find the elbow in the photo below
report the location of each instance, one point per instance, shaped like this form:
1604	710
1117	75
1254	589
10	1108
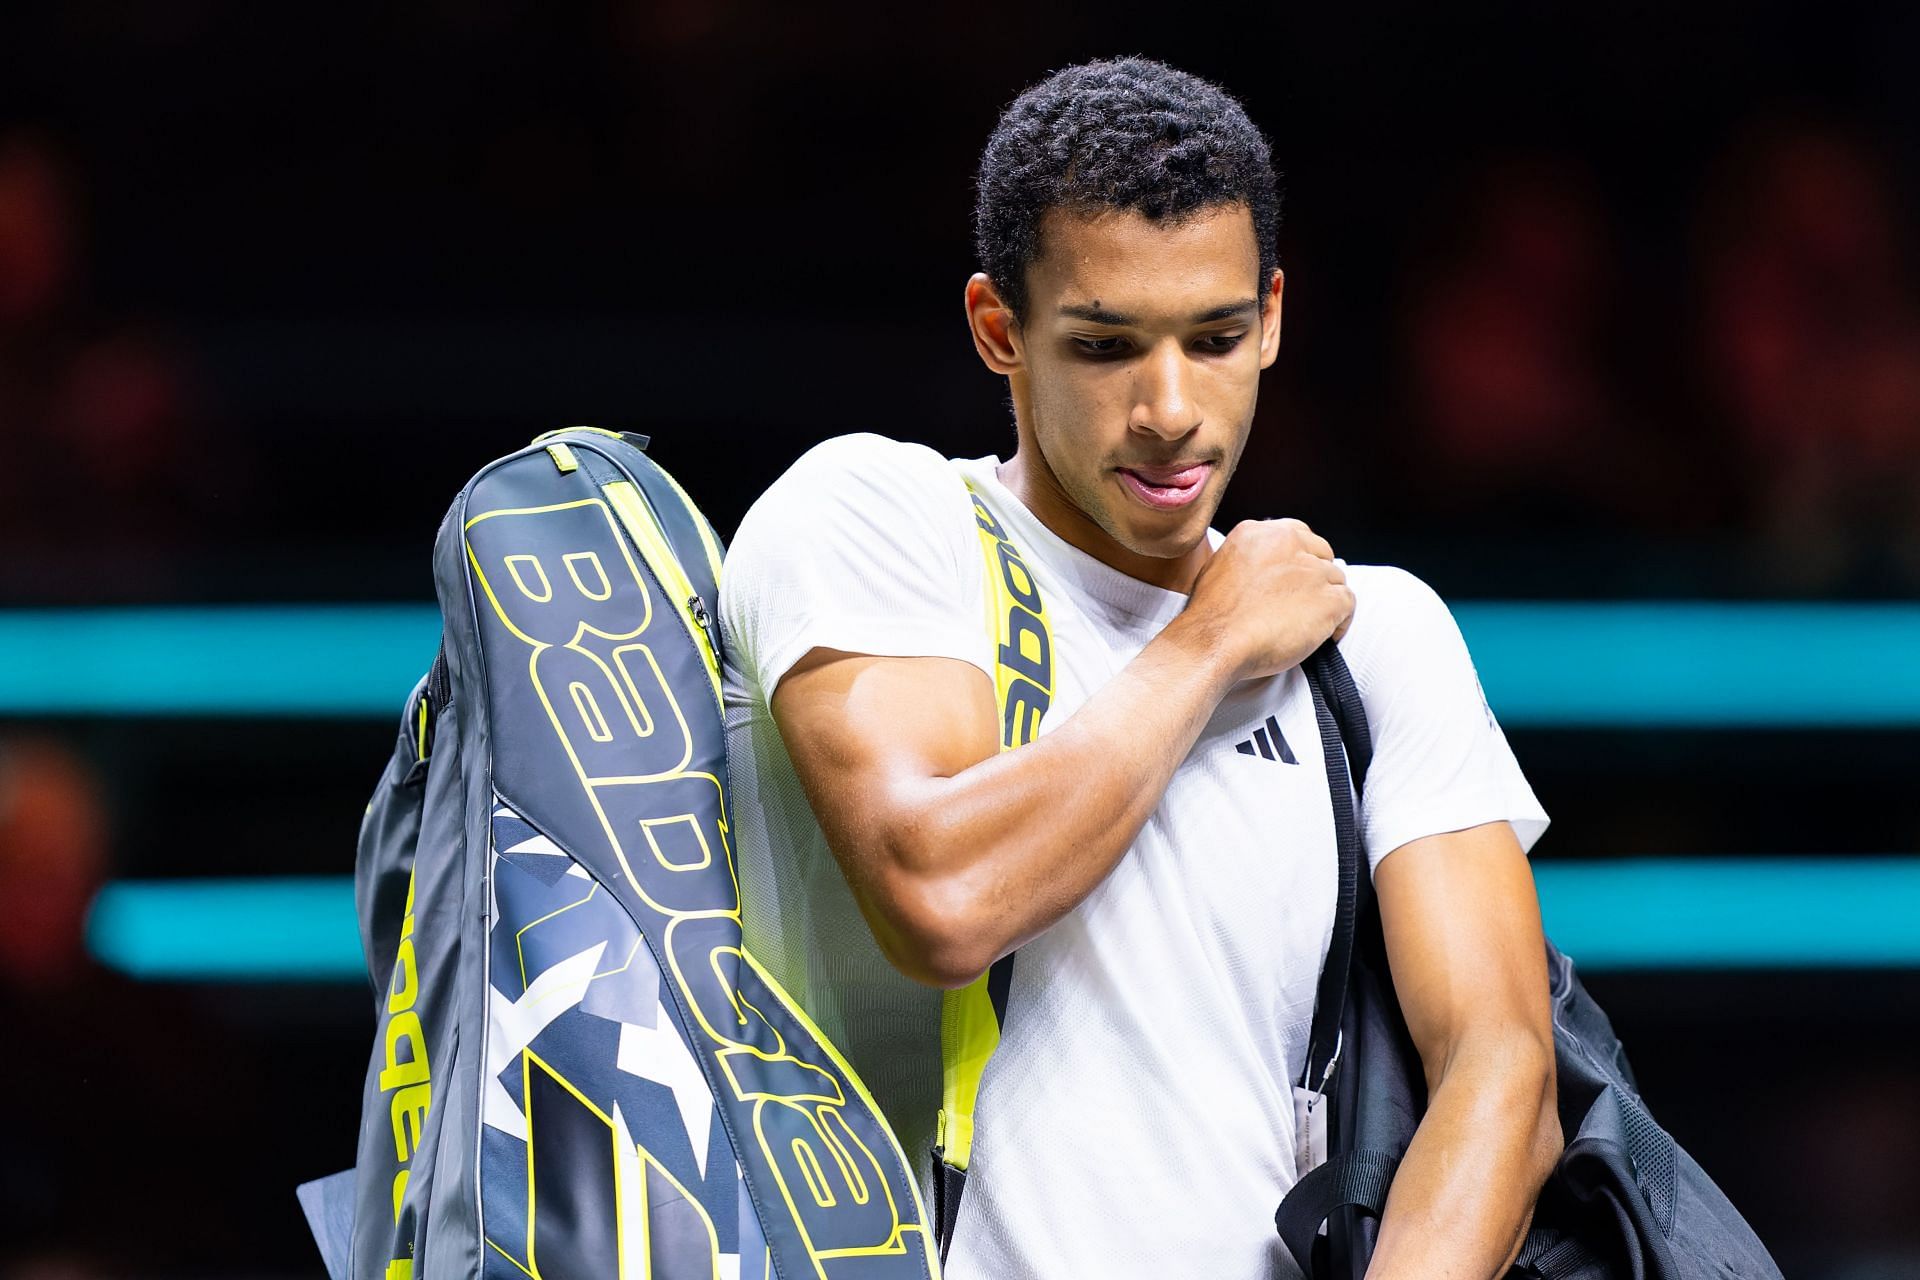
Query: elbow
1548	1140
935	936
1508	1080
932	924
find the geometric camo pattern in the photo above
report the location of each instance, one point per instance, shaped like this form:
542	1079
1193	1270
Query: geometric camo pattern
603	1151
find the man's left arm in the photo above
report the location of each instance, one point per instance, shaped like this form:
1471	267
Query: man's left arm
1462	926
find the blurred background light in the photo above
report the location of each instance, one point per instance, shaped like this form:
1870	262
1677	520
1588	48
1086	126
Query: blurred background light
1639	913
292	928
257	660
1542	663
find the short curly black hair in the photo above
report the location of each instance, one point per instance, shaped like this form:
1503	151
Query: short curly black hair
1125	133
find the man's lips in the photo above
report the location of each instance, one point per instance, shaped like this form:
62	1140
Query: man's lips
1167	487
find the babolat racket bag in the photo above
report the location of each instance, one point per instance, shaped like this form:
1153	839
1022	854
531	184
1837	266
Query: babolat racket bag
579	1071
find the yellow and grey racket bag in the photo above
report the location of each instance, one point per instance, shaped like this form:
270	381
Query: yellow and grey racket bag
578	1070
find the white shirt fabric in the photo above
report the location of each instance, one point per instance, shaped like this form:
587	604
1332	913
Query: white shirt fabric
1137	1119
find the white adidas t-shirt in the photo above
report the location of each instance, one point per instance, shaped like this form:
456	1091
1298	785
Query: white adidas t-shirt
1137	1119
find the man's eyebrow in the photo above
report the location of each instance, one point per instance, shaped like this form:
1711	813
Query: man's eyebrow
1232	310
1094	313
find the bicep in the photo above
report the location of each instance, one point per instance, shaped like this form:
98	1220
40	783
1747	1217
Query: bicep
1462	926
870	737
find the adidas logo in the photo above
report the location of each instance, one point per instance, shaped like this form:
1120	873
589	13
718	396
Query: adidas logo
1267	741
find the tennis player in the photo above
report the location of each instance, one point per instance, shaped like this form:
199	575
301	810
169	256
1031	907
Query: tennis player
1162	857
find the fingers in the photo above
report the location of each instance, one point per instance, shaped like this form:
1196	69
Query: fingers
1346	620
1310	540
1278	592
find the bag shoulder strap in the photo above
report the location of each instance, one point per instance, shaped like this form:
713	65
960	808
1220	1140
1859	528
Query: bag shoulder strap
971	1016
1355	1177
1347	745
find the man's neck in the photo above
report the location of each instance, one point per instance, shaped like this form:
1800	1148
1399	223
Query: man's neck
1040	492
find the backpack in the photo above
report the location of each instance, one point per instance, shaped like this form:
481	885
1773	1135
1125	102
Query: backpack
579	1070
1623	1201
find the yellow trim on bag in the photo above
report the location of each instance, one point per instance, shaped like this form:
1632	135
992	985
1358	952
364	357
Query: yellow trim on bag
707	538
637	517
1023	690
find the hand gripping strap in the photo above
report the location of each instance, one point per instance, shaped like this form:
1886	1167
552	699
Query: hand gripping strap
970	1017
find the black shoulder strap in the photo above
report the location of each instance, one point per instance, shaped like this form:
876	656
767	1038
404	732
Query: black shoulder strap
1356	1178
1348	748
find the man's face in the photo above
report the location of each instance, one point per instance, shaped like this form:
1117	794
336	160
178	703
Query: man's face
1139	364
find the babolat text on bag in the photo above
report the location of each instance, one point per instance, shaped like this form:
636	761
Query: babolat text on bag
578	1068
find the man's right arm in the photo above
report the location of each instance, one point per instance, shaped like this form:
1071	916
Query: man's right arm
957	852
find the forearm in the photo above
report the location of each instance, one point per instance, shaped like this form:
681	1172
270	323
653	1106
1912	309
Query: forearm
957	853
1463	1196
995	853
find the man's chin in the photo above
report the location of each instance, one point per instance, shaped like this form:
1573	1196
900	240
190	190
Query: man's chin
1166	540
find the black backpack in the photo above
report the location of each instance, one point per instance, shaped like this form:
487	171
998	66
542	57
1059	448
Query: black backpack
1623	1201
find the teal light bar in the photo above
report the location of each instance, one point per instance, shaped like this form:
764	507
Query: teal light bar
1648	914
1632	665
1734	913
283	928
278	660
1612	665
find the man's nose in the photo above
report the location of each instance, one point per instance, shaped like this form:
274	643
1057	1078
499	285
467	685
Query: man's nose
1163	400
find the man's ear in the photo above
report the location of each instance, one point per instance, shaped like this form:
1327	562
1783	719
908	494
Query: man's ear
996	333
1270	319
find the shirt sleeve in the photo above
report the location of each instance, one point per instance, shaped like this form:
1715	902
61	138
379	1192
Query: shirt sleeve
865	545
1440	761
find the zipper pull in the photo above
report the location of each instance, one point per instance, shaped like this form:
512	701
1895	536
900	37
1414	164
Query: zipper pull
697	608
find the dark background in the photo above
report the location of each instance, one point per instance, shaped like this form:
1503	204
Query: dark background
1583	302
